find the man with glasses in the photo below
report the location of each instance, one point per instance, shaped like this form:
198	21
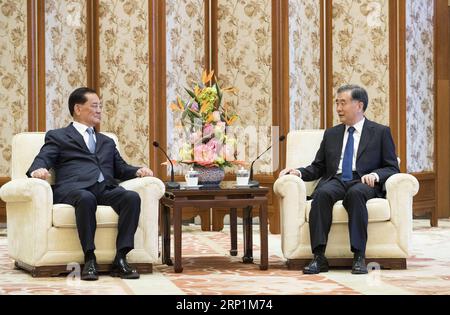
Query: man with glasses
86	165
354	161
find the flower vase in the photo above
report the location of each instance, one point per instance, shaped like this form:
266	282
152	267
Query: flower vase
210	176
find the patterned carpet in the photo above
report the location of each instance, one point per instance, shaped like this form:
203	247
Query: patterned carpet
208	269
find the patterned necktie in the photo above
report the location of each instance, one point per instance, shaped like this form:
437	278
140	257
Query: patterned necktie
91	141
347	162
91	147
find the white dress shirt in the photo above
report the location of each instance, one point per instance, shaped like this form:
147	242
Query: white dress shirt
82	129
357	137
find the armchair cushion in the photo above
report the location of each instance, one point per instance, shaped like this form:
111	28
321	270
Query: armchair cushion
378	209
64	216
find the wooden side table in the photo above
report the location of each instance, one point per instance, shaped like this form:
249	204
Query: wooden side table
224	196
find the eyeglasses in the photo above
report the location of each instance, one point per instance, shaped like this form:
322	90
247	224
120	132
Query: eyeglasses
93	106
97	106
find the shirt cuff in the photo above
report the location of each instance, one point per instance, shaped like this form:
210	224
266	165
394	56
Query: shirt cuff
377	177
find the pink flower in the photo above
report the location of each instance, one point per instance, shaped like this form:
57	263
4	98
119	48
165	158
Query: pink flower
208	130
204	154
213	145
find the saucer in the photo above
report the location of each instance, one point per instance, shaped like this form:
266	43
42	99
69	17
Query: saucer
190	187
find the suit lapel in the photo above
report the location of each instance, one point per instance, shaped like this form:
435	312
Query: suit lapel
339	142
100	139
76	136
365	137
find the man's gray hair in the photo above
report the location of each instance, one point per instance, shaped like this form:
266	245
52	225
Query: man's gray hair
358	93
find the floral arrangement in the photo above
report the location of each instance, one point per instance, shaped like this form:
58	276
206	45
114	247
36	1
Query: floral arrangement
205	121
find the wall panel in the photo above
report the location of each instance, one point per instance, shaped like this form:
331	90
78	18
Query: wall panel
185	25
65	57
361	52
13	77
124	73
420	85
245	61
305	64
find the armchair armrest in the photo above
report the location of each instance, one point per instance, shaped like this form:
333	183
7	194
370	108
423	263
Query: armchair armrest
291	191
139	184
400	190
25	190
150	189
29	204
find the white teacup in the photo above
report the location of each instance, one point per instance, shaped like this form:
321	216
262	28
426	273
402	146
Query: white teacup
191	178
242	177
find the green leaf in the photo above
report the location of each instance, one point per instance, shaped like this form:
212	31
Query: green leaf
191	94
185	113
219	92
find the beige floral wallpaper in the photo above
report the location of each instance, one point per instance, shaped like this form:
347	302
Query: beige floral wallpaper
65	56
13	78
185	61
245	61
124	75
361	51
420	85
304	67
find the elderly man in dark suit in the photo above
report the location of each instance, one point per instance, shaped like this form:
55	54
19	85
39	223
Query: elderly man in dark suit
354	161
86	166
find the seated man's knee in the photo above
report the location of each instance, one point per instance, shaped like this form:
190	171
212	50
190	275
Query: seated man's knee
352	195
321	194
86	198
133	197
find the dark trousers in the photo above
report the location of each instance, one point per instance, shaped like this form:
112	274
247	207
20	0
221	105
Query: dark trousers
127	204
354	195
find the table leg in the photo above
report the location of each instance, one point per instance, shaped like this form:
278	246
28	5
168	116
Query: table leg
233	231
248	236
264	265
177	238
165	237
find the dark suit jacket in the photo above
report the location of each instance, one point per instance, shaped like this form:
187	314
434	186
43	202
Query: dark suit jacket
75	166
376	154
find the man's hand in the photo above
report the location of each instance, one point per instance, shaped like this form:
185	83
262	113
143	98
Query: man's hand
41	173
144	172
369	180
290	171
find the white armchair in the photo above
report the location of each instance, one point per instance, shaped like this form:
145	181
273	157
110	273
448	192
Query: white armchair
390	219
42	237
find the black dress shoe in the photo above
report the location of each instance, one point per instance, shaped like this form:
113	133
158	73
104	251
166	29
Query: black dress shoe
359	265
121	268
90	272
317	265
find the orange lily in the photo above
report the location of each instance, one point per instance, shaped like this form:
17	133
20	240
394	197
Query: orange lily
210	118
197	91
207	77
167	163
204	107
180	104
174	107
230	90
231	120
